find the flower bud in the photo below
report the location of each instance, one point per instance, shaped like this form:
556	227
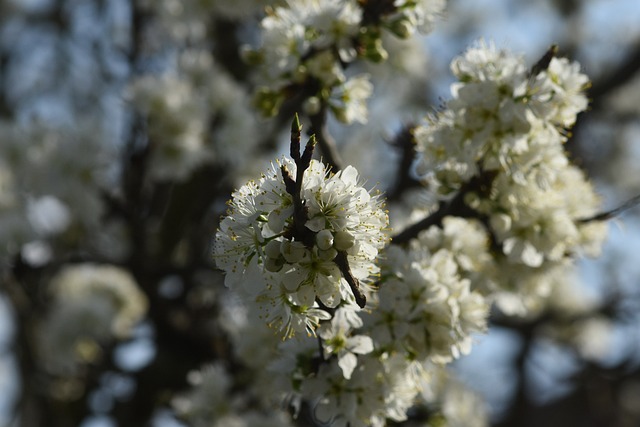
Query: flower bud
312	105
274	264
401	28
328	254
376	53
343	240
324	240
501	223
272	249
293	251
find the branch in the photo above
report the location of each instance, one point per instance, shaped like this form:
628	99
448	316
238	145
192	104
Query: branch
294	186
600	89
327	144
343	264
603	216
620	76
300	214
406	143
455	207
543	63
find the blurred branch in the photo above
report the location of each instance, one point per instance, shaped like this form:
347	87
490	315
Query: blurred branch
620	75
5	109
603	216
226	48
406	144
31	408
138	21
454	207
326	143
188	204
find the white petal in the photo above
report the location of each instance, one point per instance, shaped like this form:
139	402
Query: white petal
360	344
347	362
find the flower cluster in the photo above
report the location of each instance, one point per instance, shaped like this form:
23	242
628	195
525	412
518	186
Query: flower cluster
57	200
344	379
306	44
426	308
495	158
179	109
350	379
208	403
498	145
189	21
296	254
503	118
93	304
281	247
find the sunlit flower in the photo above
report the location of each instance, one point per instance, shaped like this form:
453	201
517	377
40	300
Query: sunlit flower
289	277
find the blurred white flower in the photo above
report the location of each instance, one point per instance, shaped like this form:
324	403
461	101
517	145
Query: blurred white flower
92	305
179	110
348	102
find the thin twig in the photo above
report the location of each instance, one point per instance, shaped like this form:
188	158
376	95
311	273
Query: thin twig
603	216
454	207
543	63
405	142
327	144
342	262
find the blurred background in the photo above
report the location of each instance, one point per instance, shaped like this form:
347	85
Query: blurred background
68	66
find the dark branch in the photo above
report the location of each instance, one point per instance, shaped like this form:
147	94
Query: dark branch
343	264
620	76
454	207
406	144
603	216
294	186
543	63
326	142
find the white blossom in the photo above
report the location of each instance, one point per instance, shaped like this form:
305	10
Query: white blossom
284	277
92	305
462	407
559	92
117	286
426	308
208	398
336	340
211	402
418	15
55	201
311	42
348	102
179	108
